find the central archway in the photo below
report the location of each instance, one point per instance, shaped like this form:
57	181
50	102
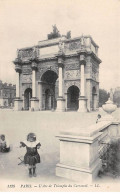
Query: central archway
50	89
72	98
27	97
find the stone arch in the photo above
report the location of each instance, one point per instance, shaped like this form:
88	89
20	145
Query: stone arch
25	86
27	98
48	80
71	83
73	94
48	69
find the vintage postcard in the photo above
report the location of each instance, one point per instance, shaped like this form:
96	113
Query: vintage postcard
59	95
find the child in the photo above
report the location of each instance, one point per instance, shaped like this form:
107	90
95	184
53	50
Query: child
98	118
31	157
4	144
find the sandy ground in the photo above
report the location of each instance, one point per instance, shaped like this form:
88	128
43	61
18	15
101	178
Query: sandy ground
46	124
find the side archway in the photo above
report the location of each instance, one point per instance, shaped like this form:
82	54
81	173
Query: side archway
27	97
72	97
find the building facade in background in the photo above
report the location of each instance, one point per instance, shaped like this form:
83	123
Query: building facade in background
60	74
7	94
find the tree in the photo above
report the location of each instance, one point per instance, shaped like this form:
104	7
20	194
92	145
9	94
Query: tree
103	96
116	97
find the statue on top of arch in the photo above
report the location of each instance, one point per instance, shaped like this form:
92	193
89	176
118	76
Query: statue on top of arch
55	33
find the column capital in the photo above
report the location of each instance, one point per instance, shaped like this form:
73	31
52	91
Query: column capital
17	63
34	65
18	68
60	62
82	59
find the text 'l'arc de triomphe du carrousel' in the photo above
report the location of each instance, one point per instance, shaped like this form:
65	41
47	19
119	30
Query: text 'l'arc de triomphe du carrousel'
60	73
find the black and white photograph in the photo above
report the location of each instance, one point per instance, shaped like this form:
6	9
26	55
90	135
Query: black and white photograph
59	95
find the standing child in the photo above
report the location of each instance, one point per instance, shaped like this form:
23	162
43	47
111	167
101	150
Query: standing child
31	157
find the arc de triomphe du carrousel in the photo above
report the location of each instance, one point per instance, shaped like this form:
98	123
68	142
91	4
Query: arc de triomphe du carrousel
58	74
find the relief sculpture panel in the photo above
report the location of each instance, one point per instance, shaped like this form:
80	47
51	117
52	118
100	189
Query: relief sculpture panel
72	66
72	45
72	74
25	53
27	78
26	69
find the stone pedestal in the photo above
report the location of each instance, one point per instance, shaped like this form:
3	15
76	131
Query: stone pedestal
79	158
18	104
109	107
60	104
34	104
82	104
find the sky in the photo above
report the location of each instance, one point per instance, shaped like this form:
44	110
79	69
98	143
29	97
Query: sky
25	22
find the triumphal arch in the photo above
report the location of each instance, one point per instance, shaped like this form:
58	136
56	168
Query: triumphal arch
59	74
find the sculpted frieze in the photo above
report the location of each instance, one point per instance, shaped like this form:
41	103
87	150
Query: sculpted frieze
72	66
25	53
72	45
72	74
26	78
26	69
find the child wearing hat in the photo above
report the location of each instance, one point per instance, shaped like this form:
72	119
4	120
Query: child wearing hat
32	156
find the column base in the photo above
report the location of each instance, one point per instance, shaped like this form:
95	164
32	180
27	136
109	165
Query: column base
82	104
34	104
18	104
60	104
78	174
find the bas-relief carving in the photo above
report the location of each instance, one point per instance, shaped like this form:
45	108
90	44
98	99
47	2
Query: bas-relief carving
95	72
26	69
48	63
72	66
26	78
72	74
25	53
72	45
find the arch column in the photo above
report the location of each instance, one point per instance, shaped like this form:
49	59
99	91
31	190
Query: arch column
40	95
18	102
34	100
66	101
82	98
60	99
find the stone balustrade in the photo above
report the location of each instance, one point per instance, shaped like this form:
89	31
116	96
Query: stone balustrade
79	150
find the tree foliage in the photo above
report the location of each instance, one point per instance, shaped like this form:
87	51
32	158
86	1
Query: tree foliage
116	97
103	96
